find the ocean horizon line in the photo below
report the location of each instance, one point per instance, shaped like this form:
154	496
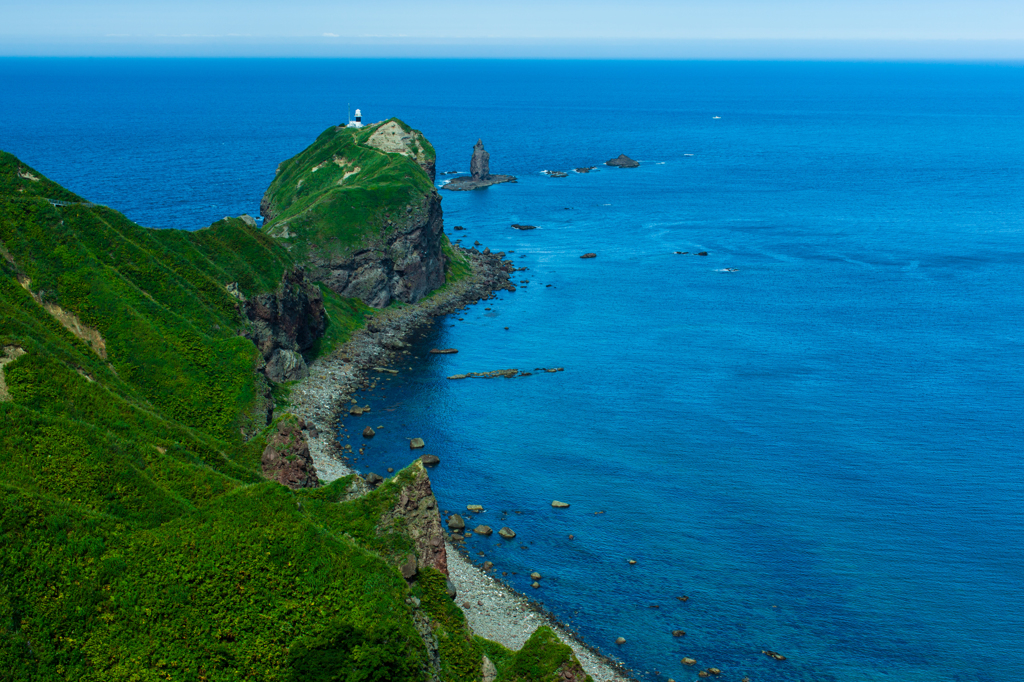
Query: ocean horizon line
567	49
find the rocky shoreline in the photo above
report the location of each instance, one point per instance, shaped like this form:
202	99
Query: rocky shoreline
496	611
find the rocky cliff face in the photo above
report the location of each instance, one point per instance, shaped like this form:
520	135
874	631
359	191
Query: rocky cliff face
286	458
359	210
404	267
417	507
285	323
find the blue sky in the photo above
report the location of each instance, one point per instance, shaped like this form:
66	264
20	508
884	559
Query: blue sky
523	28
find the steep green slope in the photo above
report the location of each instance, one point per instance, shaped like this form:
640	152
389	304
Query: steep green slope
138	538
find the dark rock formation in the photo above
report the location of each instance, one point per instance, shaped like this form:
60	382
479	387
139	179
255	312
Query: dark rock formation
403	269
480	164
622	161
417	508
286	458
589	255
285	323
480	172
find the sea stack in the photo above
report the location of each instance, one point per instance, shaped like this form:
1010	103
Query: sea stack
480	164
479	172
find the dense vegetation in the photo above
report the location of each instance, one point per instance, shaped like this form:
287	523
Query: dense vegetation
139	538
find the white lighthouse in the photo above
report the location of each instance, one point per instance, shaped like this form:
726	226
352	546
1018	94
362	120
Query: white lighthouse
358	122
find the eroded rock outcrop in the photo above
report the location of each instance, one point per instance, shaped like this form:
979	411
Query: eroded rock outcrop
404	268
480	164
285	323
417	507
622	161
479	172
286	458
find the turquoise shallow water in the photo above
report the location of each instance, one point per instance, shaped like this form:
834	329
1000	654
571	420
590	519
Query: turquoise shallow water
821	449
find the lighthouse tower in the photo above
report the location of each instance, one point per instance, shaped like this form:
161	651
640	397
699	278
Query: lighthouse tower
358	122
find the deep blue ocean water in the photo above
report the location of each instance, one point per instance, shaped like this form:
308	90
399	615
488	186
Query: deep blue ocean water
822	449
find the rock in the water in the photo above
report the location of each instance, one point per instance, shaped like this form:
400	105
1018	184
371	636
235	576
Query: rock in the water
535	585
559	505
703	253
507	533
355	410
368	432
430	460
456	522
480	172
620	640
524	227
483	530
714	671
622	161
678	633
374	479
632	562
475	508
444	351
480	163
589	255
461	376
488	565
689	661
535	575
416	443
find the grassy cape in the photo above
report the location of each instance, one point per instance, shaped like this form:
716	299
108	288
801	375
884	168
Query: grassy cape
139	538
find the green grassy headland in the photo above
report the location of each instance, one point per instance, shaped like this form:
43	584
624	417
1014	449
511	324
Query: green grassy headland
139	538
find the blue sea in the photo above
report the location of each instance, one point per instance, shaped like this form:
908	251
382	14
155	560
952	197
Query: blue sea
814	432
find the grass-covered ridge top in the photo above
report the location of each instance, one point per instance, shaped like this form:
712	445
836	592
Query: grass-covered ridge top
349	189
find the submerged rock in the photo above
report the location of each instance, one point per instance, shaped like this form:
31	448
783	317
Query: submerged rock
416	443
507	533
589	255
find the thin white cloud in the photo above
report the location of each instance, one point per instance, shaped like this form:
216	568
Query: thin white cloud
331	35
